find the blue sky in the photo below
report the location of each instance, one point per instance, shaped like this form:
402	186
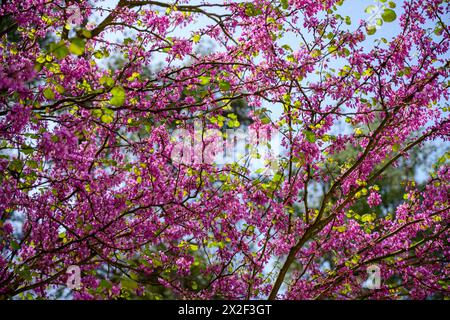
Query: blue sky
355	9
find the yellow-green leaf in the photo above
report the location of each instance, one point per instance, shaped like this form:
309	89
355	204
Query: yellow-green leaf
388	15
49	94
77	46
118	96
106	118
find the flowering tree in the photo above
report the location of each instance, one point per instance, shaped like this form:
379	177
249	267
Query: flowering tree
94	102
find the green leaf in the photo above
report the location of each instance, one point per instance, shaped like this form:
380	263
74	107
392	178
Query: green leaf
27	149
277	177
371	30
49	94
98	54
438	31
129	284
310	136
32	164
370	9
61	51
15	165
388	15
287	47
106	81
233	123
25	273
316	53
118	96
224	85
367	217
284	4
77	46
251	11
204	80
96	113
14	245
396	147
106	118
265	119
196	38
59	88
260	170
105	284
86	33
348	20
40	59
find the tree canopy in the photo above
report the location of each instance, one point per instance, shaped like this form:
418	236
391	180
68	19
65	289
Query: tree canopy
223	149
